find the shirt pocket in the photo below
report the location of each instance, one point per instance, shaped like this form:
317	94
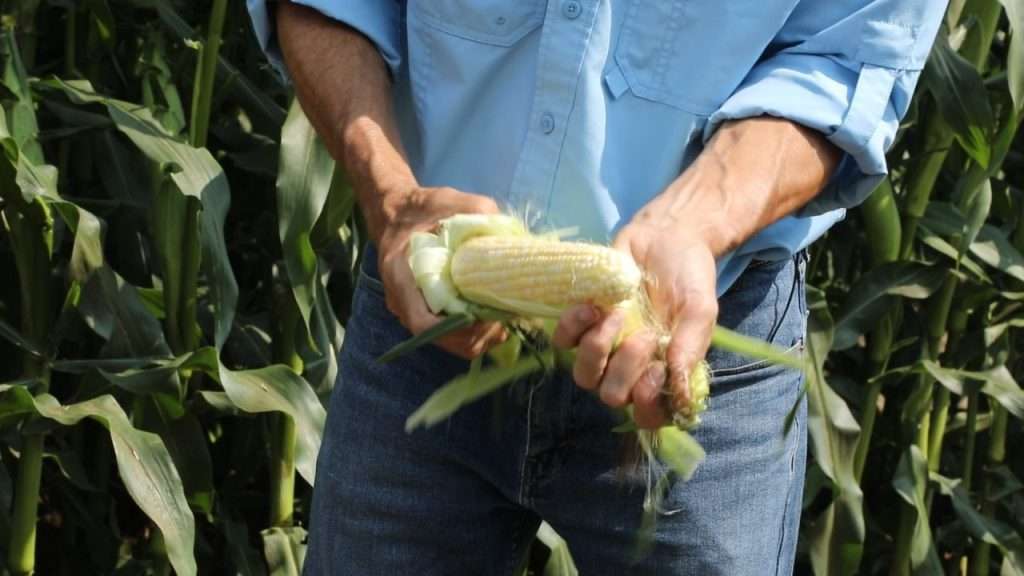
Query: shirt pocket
494	22
692	54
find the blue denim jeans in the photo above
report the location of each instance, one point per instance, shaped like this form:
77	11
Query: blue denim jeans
466	496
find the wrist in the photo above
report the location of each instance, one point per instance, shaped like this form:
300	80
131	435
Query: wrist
698	209
379	174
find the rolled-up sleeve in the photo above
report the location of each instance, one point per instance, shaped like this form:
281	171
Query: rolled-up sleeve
378	20
847	69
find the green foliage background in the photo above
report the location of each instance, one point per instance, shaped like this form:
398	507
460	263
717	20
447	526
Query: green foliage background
177	258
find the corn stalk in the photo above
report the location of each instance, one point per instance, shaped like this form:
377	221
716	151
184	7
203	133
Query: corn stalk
30	230
287	327
938	139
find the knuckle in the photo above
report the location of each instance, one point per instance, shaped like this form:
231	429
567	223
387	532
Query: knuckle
614	396
596	343
636	347
485	204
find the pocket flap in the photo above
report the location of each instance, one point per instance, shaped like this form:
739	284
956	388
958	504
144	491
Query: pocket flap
490	22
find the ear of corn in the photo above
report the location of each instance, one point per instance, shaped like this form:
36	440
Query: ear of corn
542	277
493	261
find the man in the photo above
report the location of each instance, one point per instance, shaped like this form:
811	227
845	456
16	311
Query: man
713	140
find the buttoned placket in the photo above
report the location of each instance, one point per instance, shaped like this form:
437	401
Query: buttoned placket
563	45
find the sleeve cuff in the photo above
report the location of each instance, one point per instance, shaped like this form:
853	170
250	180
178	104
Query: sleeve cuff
378	20
850	104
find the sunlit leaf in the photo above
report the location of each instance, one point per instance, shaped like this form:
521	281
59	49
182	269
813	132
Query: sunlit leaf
144	464
560	561
303	182
472	386
962	98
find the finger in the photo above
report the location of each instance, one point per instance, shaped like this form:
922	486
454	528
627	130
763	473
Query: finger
626	365
406	302
573	323
649	407
457	201
594	349
690	340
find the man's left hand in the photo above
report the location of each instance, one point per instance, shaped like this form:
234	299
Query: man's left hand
682	273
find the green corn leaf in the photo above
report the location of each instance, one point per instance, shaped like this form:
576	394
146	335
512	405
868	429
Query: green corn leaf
838	534
334	220
560	561
473	386
1015	58
123	175
980	526
194	173
304	178
998	383
11	334
240	87
738	343
910	482
114	310
328	335
991	246
679	451
937	243
186	443
962	99
244	559
145	466
978	206
994	248
447	325
277	388
872	294
71	468
38	182
284	550
19	113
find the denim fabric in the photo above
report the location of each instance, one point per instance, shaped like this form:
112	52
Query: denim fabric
466	496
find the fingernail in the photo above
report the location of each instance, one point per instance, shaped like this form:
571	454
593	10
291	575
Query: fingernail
656	376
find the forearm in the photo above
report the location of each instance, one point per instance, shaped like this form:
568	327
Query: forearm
752	173
345	90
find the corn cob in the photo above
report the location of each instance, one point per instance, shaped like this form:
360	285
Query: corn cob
493	261
542	277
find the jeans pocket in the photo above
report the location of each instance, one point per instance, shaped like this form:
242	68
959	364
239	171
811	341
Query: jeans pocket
767	303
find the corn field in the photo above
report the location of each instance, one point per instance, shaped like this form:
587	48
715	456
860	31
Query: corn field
178	252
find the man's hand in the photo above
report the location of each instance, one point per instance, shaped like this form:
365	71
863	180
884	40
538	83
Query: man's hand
357	124
752	173
682	293
419	210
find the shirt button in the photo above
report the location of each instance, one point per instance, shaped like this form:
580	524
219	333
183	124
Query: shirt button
571	9
547	123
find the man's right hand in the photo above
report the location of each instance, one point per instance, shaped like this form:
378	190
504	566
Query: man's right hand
357	125
420	209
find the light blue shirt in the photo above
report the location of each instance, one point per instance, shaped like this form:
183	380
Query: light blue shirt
578	112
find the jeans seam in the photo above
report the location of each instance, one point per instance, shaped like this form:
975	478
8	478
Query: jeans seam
789	492
523	491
